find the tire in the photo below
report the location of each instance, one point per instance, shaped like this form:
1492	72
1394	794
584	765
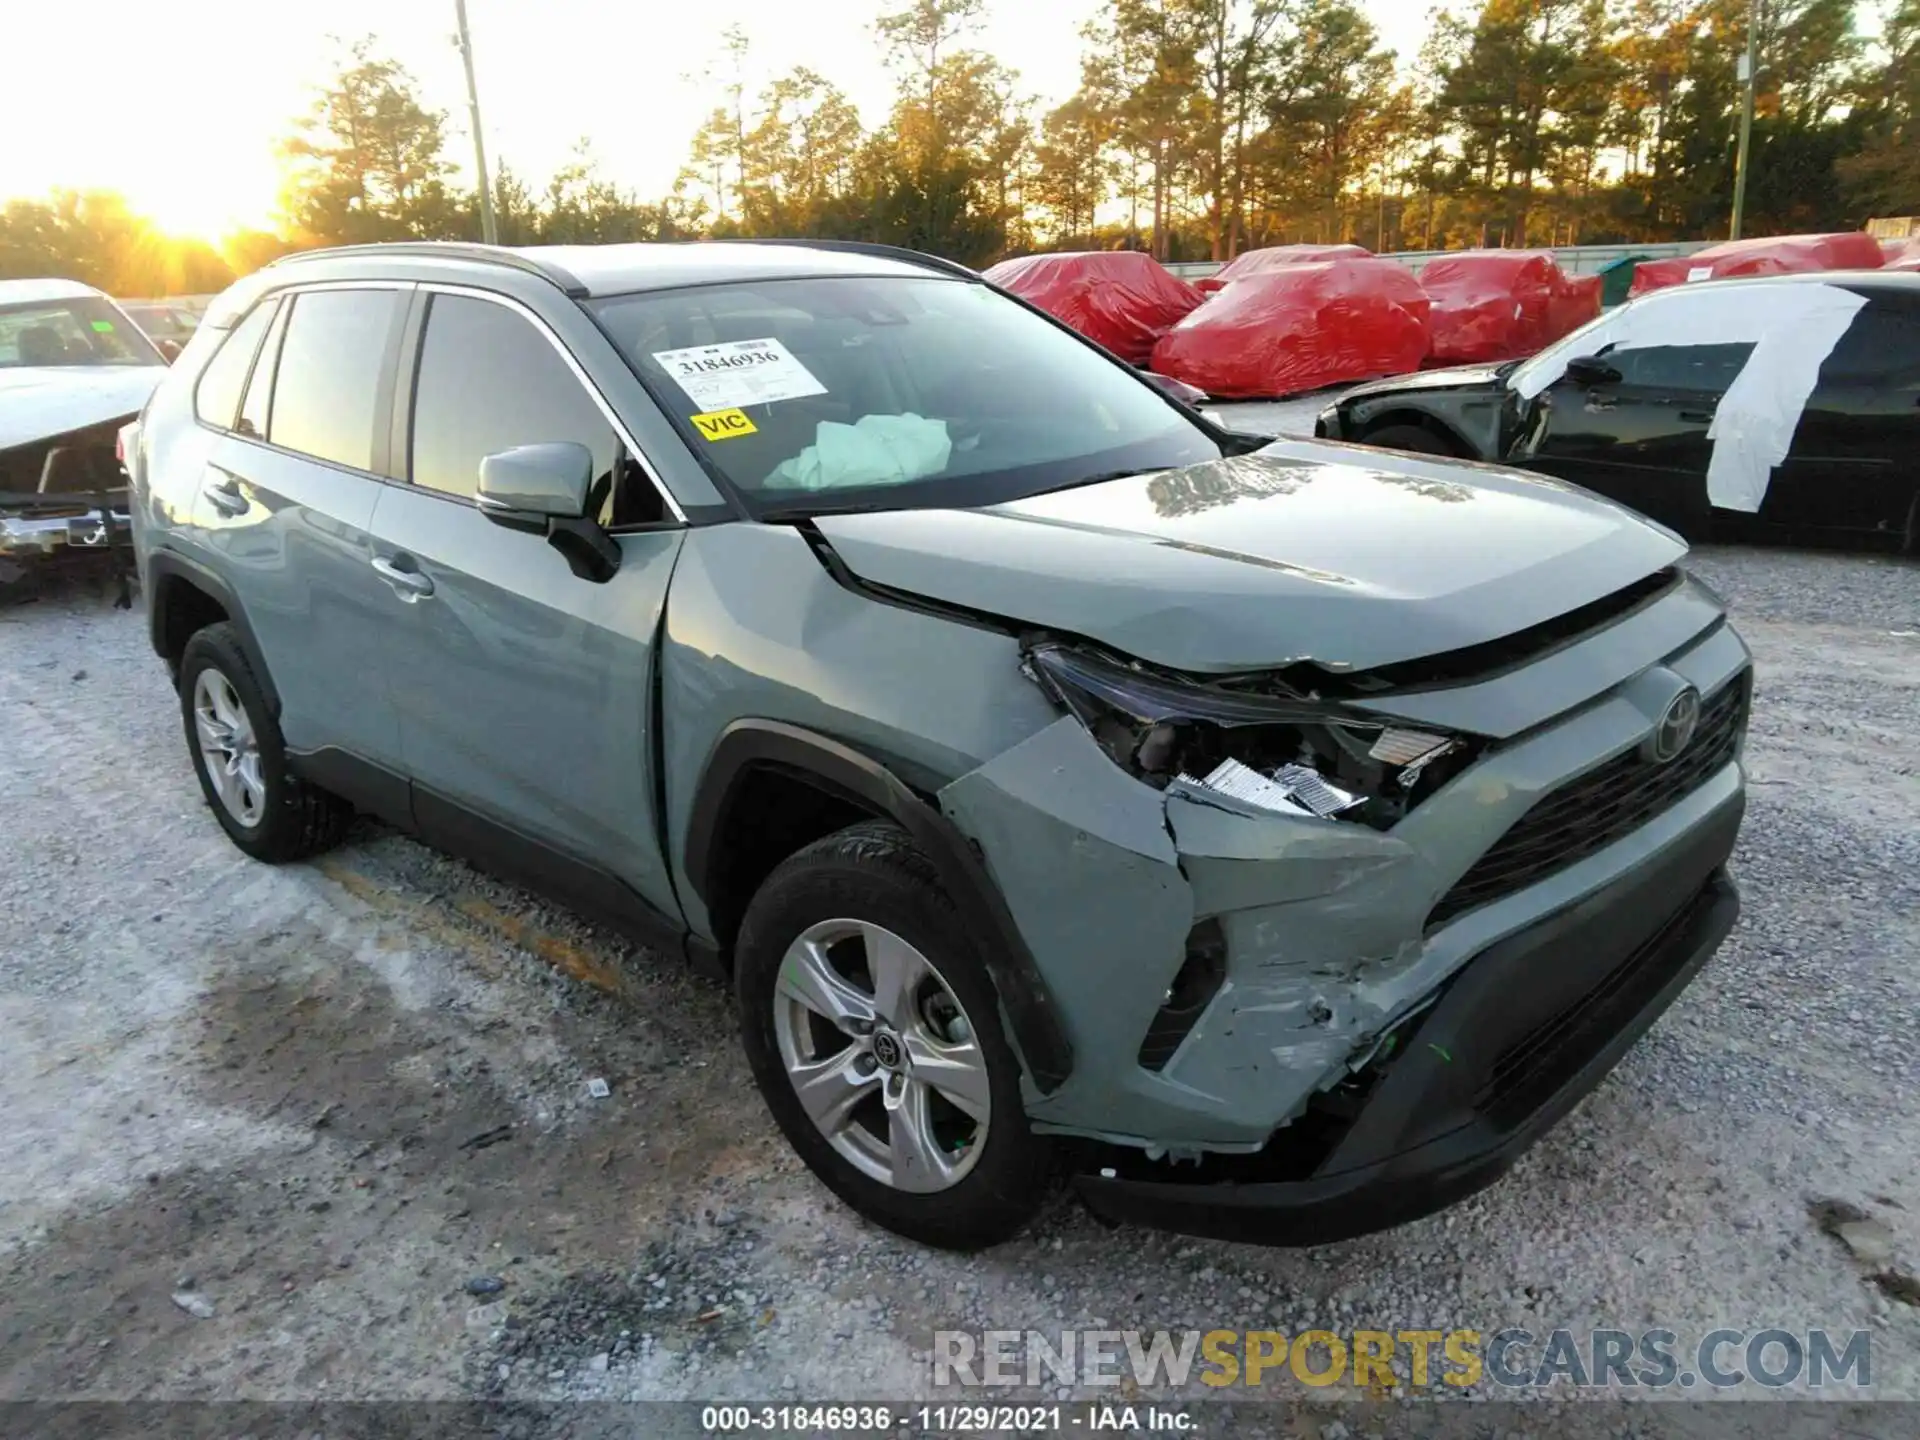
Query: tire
870	881
275	817
1411	437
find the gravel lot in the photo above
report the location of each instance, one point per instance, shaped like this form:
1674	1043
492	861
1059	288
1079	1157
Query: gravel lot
266	1125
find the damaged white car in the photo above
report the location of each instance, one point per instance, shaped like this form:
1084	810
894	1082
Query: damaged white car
73	370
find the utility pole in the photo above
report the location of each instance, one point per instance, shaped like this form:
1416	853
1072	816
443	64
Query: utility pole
489	231
1746	123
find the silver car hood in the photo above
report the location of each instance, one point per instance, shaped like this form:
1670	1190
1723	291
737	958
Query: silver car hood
41	401
1303	551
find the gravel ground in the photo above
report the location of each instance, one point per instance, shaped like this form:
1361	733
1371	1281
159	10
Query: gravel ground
269	1128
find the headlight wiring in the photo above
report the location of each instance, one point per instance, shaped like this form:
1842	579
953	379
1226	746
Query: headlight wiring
1288	753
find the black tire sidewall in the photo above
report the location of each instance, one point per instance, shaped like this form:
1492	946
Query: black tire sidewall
872	873
275	837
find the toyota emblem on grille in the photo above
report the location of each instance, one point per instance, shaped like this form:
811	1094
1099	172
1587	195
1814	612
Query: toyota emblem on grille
1676	727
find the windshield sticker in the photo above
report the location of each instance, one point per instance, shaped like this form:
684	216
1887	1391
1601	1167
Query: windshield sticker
105	327
740	372
723	424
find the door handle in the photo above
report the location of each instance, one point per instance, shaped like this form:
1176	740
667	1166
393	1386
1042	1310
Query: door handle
225	495
408	584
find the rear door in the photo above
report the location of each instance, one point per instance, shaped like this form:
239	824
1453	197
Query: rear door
525	693
1642	439
1855	461
287	501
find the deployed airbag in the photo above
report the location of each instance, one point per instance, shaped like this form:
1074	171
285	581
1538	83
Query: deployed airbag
1122	299
874	450
1301	328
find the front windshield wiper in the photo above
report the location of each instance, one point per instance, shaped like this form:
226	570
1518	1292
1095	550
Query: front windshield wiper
789	514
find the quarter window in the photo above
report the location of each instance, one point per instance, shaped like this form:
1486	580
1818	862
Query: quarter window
326	392
488	381
218	394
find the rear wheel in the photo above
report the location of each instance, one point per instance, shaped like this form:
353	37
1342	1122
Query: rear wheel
874	1035
241	759
1411	437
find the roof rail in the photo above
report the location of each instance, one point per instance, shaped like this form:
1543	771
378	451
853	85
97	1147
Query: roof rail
451	250
858	247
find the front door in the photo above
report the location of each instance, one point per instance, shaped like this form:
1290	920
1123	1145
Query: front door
525	693
1641	439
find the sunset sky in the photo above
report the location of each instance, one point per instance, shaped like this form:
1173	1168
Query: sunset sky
179	104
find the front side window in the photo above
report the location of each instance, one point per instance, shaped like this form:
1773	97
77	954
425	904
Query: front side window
1697	369
326	391
882	393
83	330
489	381
217	396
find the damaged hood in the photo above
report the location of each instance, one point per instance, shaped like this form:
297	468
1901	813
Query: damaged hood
1304	551
41	401
1459	377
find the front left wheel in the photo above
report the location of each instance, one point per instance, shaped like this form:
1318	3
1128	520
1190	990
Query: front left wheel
241	759
874	1034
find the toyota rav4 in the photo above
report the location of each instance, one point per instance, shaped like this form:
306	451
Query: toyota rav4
1278	836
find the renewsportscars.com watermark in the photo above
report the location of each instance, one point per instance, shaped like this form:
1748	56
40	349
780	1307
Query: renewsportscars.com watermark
1400	1361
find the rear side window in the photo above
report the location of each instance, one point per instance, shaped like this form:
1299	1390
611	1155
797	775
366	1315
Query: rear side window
218	395
327	387
1882	345
488	381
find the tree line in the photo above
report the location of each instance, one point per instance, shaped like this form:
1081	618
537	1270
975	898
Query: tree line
1200	128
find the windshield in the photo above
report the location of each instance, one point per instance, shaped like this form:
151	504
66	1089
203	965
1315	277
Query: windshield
82	330
886	393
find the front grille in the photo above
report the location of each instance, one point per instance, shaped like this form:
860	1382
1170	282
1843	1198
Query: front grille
1589	814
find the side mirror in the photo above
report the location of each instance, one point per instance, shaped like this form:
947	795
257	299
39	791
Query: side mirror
1591	370
169	349
1192	396
543	481
543	489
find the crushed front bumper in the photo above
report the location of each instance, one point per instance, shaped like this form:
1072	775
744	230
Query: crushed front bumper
1520	1034
39	524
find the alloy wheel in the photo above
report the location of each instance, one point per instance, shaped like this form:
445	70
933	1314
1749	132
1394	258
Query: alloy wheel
229	749
882	1055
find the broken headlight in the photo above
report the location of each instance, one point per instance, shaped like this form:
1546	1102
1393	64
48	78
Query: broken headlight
1284	753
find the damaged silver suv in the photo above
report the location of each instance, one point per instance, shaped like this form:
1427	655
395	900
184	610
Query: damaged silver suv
1277	836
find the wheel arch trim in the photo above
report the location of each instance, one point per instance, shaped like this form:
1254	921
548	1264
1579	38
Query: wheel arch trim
749	745
167	569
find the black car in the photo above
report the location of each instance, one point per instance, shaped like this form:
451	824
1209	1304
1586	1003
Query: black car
1727	408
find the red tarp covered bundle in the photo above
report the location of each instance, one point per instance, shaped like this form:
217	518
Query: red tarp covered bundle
1901	254
1495	304
1122	299
1774	255
1503	304
1277	257
1574	303
1299	328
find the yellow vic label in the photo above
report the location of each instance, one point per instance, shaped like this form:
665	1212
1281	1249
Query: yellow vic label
723	424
